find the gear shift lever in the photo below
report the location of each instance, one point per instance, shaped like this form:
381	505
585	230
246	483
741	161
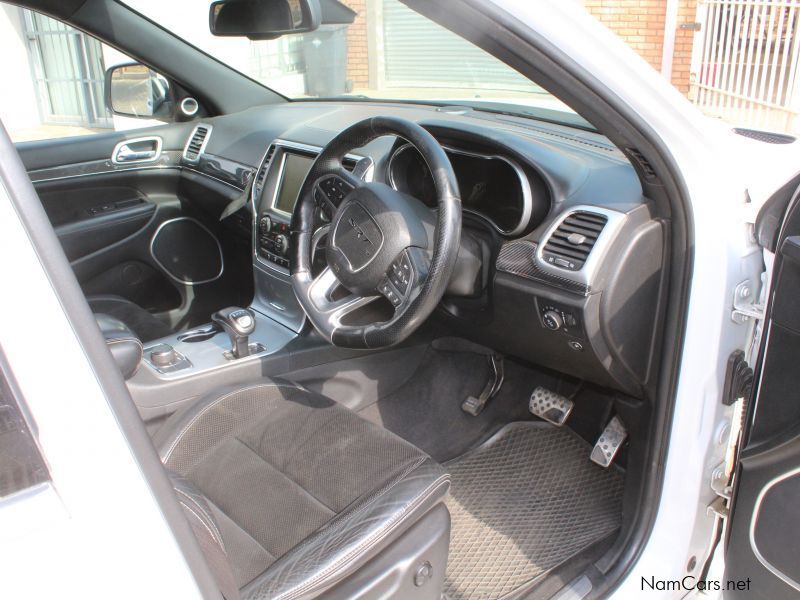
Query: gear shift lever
238	323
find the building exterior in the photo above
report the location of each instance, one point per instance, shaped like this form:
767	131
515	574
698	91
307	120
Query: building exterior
736	60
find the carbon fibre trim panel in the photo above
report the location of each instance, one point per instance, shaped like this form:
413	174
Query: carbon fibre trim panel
518	258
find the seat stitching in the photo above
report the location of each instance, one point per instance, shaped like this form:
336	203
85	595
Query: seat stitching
208	517
374	538
211	533
278	470
364	505
247	533
369	542
188	426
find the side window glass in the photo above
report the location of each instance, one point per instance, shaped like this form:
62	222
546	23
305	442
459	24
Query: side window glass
53	79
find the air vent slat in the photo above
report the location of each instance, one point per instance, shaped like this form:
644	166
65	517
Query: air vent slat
584	222
196	143
262	172
569	246
570	228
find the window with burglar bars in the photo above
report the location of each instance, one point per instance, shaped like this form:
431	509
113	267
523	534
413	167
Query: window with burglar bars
746	62
68	70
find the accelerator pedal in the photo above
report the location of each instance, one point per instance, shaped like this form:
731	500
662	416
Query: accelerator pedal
609	443
553	408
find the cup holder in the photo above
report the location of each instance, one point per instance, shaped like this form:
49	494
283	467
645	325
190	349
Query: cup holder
198	335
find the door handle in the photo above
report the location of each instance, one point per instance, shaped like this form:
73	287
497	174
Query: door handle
139	150
125	154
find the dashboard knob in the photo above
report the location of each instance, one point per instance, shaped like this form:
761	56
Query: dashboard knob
281	244
163	356
265	224
552	320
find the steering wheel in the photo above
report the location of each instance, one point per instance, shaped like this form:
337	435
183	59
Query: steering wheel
381	242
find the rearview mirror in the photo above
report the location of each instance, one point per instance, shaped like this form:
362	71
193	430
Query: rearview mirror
134	90
263	19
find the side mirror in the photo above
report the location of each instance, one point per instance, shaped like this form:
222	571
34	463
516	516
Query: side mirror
134	90
263	19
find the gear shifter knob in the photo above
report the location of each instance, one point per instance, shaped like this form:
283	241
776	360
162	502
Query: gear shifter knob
238	323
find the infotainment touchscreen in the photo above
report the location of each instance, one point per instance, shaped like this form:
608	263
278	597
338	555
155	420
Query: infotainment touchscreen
295	169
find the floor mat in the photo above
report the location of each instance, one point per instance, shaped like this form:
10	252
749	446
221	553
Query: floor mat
426	411
521	504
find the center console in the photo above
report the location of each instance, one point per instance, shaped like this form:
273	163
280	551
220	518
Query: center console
279	178
243	344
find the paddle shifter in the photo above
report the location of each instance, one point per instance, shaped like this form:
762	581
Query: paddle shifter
238	323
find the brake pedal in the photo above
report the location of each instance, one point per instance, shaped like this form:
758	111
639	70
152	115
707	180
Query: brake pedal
475	405
609	443
553	408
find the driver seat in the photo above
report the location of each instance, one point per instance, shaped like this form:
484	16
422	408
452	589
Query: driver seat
292	495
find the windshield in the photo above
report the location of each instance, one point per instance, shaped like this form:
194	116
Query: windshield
386	52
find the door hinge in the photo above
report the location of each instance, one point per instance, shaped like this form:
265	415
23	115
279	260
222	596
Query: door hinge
745	306
720	483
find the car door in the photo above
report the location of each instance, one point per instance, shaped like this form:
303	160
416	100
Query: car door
131	208
763	544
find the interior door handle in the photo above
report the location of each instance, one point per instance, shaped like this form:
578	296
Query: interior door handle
125	154
139	150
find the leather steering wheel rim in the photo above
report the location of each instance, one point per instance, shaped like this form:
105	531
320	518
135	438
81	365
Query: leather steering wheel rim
370	222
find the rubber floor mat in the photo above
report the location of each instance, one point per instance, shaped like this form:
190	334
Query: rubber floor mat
521	504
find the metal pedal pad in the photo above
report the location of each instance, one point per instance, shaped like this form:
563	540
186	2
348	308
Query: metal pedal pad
553	408
609	443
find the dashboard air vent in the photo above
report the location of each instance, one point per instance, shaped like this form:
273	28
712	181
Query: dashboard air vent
262	172
570	244
197	142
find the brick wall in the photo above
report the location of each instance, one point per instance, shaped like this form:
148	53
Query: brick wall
357	49
682	58
641	24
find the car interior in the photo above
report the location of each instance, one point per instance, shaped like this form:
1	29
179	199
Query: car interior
382	348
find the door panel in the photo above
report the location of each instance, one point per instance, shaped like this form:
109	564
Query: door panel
107	215
764	531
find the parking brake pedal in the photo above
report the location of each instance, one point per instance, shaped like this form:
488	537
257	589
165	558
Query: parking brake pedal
553	408
609	443
474	406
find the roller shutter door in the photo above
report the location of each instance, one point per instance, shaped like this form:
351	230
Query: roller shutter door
419	53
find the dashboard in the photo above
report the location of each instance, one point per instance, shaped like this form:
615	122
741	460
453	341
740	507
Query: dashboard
570	251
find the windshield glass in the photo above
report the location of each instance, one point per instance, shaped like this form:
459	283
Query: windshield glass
386	52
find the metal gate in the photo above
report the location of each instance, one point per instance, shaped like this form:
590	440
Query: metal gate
745	62
68	70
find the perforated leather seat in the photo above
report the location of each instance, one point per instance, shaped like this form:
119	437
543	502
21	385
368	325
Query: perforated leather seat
290	493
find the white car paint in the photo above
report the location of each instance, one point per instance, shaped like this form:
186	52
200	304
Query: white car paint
96	531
